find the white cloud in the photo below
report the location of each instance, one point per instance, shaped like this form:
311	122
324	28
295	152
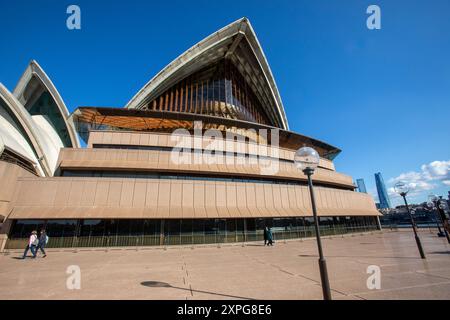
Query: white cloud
436	170
429	177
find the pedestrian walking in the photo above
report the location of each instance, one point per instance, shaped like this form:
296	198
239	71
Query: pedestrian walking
33	242
43	240
265	236
269	237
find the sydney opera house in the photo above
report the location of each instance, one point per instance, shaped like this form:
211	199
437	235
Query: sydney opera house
105	176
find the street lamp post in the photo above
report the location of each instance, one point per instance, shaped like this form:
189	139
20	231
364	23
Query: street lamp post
442	215
432	204
402	189
307	160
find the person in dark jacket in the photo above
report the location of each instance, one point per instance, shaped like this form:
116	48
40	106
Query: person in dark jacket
42	243
269	237
265	235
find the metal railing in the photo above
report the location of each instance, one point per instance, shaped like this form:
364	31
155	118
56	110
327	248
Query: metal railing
187	239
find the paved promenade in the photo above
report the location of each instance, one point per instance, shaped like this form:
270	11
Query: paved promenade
286	271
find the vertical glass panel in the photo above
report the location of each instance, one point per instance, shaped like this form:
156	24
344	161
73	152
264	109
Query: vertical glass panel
123	227
231	225
186	231
251	224
261	223
152	227
186	226
210	231
46	106
136	227
194	98
198	231
220	225
61	228
93	228
228	92
173	227
110	227
210	226
23	228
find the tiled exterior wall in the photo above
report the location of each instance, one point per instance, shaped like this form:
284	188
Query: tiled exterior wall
162	161
8	178
85	198
164	140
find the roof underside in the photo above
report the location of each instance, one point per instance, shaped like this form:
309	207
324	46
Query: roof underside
93	118
236	42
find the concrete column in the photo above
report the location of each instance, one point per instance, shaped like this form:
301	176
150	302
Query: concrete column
379	223
4	231
3	239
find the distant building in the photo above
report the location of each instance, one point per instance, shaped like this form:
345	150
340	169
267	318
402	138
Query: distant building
400	216
383	197
361	185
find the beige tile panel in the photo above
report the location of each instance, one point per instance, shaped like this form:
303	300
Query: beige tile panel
199	199
75	194
135	139
88	195
126	196
151	199
175	204
140	193
164	194
62	194
164	161
4	208
62	197
166	140
200	213
109	193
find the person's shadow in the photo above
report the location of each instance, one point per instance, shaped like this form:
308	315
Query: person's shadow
441	252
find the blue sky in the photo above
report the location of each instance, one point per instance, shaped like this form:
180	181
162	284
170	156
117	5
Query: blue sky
382	96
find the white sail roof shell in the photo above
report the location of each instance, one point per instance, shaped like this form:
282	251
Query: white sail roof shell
218	45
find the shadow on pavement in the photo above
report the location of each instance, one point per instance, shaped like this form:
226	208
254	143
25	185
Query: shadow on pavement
158	284
440	252
256	244
331	256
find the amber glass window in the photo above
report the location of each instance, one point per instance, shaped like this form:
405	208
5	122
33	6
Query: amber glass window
218	90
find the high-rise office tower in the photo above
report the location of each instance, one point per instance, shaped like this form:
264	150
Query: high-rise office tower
382	192
361	185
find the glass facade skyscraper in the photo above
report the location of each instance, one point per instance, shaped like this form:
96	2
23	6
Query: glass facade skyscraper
383	197
361	185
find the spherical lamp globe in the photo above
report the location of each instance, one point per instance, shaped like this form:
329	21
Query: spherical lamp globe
306	158
401	188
